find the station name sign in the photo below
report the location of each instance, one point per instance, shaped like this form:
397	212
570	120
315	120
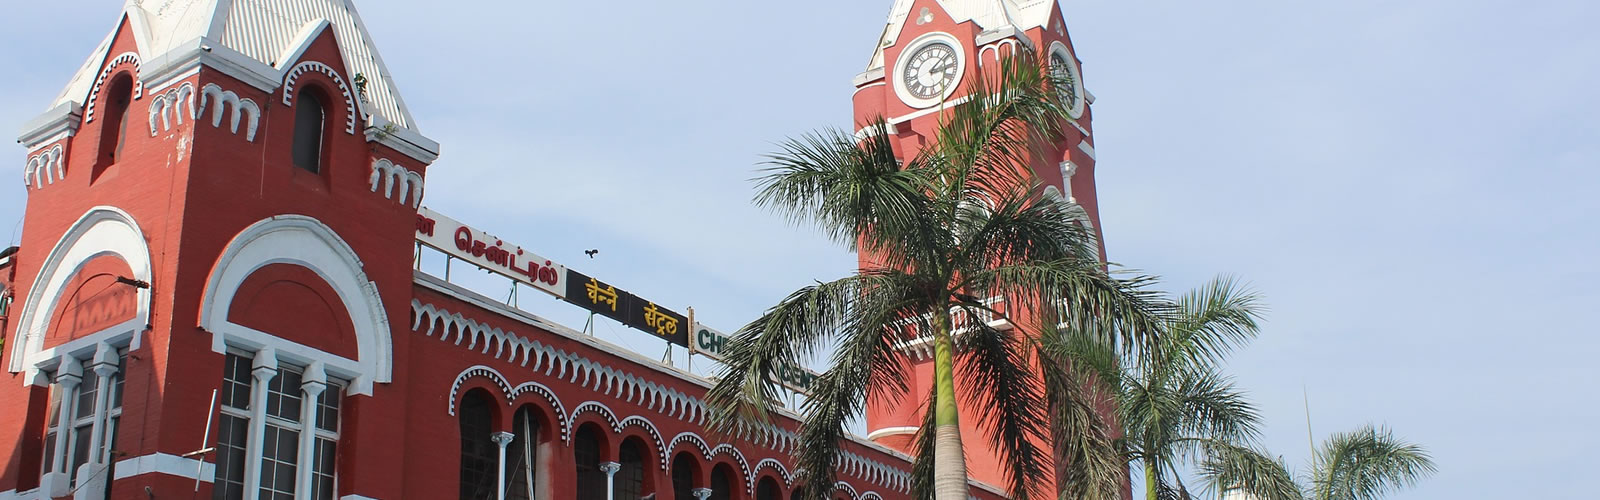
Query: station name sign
713	344
500	257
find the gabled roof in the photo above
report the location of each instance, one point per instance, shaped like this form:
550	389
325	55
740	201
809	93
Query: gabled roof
267	31
989	15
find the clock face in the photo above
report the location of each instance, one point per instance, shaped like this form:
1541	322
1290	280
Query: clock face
1066	79
931	71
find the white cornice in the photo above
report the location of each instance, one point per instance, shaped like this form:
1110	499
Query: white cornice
868	76
403	140
59	122
1002	33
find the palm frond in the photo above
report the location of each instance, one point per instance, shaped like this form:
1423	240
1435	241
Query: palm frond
1209	322
855	191
1229	467
1086	299
1210	406
1090	462
999	384
1367	463
791	332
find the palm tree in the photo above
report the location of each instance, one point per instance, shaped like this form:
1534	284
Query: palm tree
1365	464
1175	403
960	222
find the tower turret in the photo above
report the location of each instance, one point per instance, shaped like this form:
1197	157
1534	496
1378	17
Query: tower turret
929	51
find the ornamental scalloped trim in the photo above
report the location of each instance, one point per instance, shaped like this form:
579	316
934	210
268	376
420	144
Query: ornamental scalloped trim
293	75
138	86
391	176
167	108
244	110
44	168
569	366
649	428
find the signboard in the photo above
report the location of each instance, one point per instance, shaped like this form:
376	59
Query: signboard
712	344
638	313
486	251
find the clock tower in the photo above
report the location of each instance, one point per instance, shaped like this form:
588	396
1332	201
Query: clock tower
929	51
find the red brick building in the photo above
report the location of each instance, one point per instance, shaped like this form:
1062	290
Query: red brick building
216	295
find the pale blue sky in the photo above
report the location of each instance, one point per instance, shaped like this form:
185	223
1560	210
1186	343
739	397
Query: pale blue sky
1412	185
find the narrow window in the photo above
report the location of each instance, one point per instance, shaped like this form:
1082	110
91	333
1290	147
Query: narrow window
114	122
67	443
586	452
684	470
630	478
768	489
233	429
308	126
478	453
721	482
522	456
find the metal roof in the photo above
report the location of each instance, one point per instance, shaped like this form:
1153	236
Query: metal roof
266	31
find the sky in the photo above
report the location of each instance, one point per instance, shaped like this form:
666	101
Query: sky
1412	186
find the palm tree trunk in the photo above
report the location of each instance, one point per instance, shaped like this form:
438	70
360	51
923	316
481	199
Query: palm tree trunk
1152	490
949	461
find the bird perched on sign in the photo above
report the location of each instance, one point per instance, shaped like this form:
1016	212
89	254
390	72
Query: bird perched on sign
591	252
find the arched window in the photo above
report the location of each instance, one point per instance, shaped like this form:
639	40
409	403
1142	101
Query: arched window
522	456
684	470
799	493
722	482
309	117
478	452
114	123
768	489
630	478
586	452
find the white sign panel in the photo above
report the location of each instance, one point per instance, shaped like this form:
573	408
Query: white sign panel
486	251
712	343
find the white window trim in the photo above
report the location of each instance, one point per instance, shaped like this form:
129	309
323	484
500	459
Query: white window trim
56	477
266	366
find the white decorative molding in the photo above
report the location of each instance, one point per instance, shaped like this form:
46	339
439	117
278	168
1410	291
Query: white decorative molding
1087	149
655	435
557	363
102	231
293	75
574	368
476	371
562	419
162	463
393	176
698	442
511	394
849	490
45	167
168	107
744	465
138	87
891	431
243	109
305	242
594	407
768	463
1010	44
